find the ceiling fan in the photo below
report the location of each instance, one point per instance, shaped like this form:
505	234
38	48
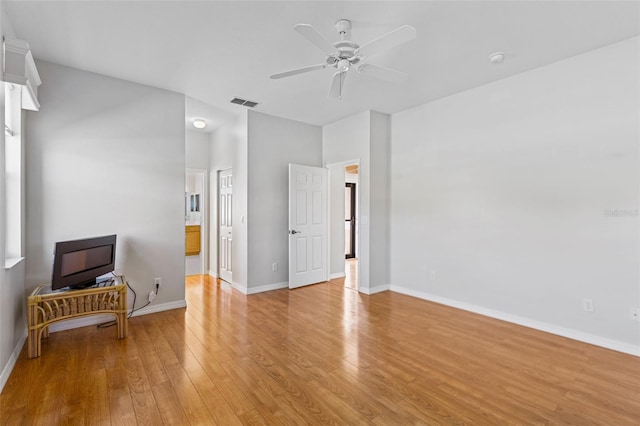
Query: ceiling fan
345	54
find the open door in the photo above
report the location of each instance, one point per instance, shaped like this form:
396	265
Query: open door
308	225
225	225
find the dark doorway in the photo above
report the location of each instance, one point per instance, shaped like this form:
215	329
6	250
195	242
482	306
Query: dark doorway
350	220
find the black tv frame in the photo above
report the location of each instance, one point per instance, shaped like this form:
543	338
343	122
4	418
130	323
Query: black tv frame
87	277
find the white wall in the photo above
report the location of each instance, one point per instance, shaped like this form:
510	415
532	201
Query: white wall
501	197
197	151
13	324
273	144
108	156
380	208
229	151
363	137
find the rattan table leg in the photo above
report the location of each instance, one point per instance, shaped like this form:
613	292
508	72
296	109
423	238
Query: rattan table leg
33	350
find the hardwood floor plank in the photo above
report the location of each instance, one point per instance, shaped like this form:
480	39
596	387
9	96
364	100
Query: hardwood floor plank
122	411
220	410
323	354
252	418
170	409
146	409
256	385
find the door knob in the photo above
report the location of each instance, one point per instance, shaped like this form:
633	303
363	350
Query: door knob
295	232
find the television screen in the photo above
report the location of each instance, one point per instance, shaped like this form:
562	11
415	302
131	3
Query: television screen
77	263
81	260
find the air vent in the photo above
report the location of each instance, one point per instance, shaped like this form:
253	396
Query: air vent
244	102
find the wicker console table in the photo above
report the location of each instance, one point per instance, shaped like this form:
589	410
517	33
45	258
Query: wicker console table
46	307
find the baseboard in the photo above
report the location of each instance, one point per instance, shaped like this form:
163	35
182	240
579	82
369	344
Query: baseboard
374	290
99	319
268	287
80	322
337	275
11	362
242	289
213	274
152	309
570	333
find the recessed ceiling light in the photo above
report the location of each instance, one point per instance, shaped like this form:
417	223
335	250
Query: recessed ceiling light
199	123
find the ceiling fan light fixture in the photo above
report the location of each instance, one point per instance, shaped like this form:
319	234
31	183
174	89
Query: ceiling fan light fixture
199	123
497	58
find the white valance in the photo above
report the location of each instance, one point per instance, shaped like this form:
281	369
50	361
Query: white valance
20	69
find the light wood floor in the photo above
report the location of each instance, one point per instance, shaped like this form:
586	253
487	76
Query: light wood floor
350	279
316	355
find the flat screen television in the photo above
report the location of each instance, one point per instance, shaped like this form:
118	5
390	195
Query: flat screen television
77	263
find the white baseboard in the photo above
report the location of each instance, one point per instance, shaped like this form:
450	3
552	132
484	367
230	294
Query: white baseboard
374	290
242	289
259	289
11	362
268	287
99	319
570	333
152	309
337	275
213	274
80	322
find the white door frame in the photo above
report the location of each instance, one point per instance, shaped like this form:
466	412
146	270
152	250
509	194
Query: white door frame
343	164
202	174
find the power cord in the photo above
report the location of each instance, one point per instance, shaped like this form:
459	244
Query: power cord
133	309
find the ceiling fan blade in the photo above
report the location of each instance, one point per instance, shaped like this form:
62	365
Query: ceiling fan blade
337	84
383	73
310	33
298	71
396	37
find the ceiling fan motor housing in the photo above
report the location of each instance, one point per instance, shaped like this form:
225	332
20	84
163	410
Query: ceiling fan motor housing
345	47
344	27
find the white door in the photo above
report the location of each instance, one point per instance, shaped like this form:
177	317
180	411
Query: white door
308	225
225	232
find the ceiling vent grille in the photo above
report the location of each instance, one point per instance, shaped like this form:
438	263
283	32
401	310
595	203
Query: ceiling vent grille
244	102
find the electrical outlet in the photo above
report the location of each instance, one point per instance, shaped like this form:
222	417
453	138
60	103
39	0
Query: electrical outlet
274	266
432	275
587	305
152	295
157	282
635	314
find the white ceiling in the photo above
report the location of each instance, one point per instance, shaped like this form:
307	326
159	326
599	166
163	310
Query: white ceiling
214	51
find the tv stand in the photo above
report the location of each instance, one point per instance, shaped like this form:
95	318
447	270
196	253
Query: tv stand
46	307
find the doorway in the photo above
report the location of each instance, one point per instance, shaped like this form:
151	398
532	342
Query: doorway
351	213
350	220
195	217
